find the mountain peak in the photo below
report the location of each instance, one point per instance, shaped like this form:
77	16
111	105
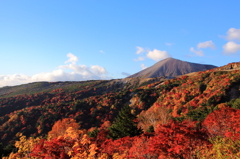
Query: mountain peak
168	58
171	67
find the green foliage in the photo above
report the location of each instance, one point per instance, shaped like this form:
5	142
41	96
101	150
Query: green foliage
202	87
234	103
38	87
147	97
124	125
150	129
205	75
199	114
218	73
5	151
170	85
179	119
93	133
223	148
145	83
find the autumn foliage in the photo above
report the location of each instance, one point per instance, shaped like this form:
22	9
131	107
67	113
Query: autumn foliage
195	116
223	122
61	126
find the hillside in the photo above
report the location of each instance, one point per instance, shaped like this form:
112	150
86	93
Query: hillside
170	68
38	87
201	109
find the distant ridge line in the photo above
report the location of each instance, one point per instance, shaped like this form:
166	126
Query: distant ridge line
170	68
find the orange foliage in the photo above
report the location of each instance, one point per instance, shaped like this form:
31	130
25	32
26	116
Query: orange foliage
61	126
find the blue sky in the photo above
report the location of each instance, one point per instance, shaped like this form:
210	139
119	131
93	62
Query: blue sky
101	39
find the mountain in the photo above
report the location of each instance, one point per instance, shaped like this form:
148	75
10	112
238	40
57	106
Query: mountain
202	109
170	68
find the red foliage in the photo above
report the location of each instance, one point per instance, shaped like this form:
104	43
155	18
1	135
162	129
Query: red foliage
53	149
139	146
101	137
223	122
117	146
176	140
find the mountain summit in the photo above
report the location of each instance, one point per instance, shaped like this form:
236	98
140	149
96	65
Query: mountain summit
171	67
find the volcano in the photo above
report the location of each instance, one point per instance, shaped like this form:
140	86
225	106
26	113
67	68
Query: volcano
171	68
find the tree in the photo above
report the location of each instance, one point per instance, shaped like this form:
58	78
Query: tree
124	125
176	140
223	122
61	126
221	148
24	147
93	133
150	129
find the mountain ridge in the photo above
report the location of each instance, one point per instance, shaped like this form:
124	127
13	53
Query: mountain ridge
94	105
170	68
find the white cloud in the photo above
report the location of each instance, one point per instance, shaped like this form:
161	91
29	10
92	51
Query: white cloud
157	55
206	44
76	68
231	48
99	70
233	34
72	58
76	73
197	52
139	59
143	66
139	50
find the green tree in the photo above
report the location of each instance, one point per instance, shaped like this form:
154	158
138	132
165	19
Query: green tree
93	133
124	125
5	151
234	103
150	129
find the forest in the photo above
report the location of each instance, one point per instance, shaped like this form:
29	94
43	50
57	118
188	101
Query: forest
195	116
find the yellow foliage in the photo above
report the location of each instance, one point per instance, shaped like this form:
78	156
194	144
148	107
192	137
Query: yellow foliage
119	156
93	148
85	140
103	156
72	133
83	155
24	147
82	148
223	148
13	118
13	156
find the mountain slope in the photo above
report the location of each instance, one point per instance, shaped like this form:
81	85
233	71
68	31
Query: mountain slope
171	67
38	87
162	104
